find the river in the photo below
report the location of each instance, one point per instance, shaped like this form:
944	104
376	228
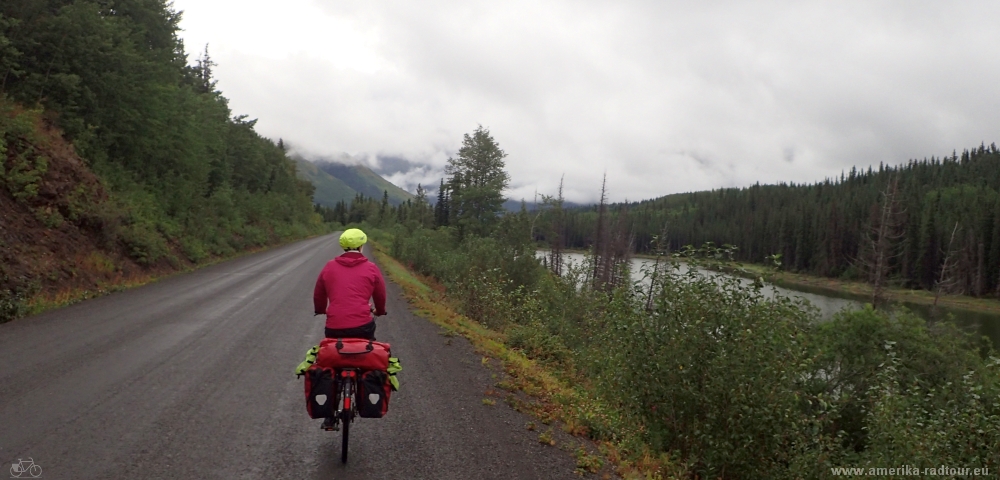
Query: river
830	303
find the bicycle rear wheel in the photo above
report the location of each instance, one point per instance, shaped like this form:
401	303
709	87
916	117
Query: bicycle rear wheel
345	419
348	387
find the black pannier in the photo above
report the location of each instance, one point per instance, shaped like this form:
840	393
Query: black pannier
321	392
373	394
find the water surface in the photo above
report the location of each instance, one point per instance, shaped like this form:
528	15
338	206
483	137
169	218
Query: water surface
828	303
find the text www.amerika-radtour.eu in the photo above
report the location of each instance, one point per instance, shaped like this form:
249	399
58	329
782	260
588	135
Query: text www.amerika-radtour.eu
908	471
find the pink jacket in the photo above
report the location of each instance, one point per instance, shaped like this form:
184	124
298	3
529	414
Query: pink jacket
348	281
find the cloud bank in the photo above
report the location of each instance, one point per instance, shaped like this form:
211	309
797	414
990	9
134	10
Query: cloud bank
664	97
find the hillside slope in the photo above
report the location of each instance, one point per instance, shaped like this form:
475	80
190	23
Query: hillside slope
364	181
329	189
58	227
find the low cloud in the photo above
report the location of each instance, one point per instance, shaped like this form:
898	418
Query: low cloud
761	91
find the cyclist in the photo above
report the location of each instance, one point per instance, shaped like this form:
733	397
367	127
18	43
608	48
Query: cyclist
344	288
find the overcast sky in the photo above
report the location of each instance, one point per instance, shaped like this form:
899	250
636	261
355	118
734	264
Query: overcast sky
665	97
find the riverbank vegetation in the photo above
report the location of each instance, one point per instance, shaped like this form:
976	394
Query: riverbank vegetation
863	290
120	160
707	377
716	380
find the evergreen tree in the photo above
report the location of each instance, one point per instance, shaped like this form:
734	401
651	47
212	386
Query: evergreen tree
421	208
441	207
478	180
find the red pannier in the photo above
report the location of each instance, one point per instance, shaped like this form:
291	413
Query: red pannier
353	353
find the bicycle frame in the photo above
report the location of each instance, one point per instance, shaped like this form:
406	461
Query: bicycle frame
347	379
346	408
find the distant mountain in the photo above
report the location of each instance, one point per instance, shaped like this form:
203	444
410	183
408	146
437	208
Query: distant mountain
364	181
336	181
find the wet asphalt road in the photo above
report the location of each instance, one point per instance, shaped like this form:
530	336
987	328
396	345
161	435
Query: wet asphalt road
192	377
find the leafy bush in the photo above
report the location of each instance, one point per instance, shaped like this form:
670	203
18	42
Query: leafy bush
712	371
854	347
49	216
955	424
14	297
143	243
22	166
537	343
193	249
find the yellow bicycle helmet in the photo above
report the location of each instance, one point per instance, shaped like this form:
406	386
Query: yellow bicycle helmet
353	238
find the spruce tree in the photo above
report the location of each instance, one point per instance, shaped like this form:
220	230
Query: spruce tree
478	180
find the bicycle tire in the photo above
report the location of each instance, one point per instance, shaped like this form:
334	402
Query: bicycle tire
346	421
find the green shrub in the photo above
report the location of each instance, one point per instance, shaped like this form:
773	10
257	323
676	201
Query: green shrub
712	371
193	249
14	297
49	216
955	424
23	174
537	343
169	228
854	345
142	243
21	165
80	203
254	235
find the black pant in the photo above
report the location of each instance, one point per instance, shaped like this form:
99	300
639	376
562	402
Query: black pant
366	331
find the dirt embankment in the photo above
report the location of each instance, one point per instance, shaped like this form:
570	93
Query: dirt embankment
57	223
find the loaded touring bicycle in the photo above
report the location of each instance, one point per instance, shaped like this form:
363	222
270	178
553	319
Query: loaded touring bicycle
349	377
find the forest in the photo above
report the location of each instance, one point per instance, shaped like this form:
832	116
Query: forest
115	78
944	215
119	156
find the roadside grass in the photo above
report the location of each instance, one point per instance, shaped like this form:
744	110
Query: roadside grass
43	302
532	387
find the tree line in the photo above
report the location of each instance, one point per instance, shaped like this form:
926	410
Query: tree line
380	212
115	78
944	232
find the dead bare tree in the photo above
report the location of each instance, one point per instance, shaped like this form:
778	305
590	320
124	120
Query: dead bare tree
881	241
620	248
600	277
538	213
556	231
612	248
948	279
662	249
